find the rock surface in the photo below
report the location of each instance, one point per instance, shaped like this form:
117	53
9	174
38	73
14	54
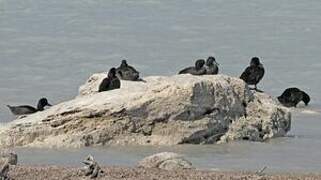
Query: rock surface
264	120
161	111
166	161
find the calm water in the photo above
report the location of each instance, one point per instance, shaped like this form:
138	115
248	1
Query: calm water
49	48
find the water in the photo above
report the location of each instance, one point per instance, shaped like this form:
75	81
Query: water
49	48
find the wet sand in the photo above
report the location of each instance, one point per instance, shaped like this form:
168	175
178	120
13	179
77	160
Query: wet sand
116	173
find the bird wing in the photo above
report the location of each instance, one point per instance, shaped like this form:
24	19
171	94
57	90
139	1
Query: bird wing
186	70
115	83
128	73
20	110
104	85
246	74
260	74
119	72
289	91
133	69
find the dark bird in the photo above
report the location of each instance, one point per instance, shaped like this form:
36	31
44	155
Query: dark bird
199	68
292	96
127	72
211	65
22	110
254	73
110	82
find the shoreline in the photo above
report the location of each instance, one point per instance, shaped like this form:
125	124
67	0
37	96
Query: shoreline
35	172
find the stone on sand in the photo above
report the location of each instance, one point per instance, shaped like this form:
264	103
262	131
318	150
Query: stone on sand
166	161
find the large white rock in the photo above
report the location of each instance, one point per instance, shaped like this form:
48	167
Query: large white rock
161	111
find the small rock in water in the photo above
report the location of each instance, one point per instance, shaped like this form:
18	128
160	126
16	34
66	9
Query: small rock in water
91	167
166	161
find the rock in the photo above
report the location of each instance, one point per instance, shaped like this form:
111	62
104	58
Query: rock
91	168
180	109
8	157
4	170
92	84
166	161
265	120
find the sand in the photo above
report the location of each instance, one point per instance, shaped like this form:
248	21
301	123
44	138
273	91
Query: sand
133	173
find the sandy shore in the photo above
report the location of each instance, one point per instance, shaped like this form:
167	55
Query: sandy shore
116	173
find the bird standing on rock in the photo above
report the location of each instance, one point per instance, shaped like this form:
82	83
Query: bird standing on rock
254	73
211	66
25	109
127	72
198	69
110	82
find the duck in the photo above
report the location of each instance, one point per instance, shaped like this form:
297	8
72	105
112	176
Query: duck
111	82
292	96
198	69
211	66
254	73
25	109
127	72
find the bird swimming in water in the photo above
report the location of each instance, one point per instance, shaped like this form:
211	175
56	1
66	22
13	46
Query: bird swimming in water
253	73
211	65
292	96
110	82
127	72
25	109
198	69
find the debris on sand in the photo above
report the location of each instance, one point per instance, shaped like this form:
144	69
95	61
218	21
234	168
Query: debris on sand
91	167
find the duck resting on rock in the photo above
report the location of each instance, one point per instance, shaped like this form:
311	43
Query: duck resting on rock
211	66
110	82
198	69
25	109
127	72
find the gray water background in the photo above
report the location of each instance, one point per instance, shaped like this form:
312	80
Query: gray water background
49	48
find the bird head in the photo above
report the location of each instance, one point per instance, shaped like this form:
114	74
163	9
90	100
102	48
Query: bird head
43	102
211	60
112	73
123	63
255	61
199	63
